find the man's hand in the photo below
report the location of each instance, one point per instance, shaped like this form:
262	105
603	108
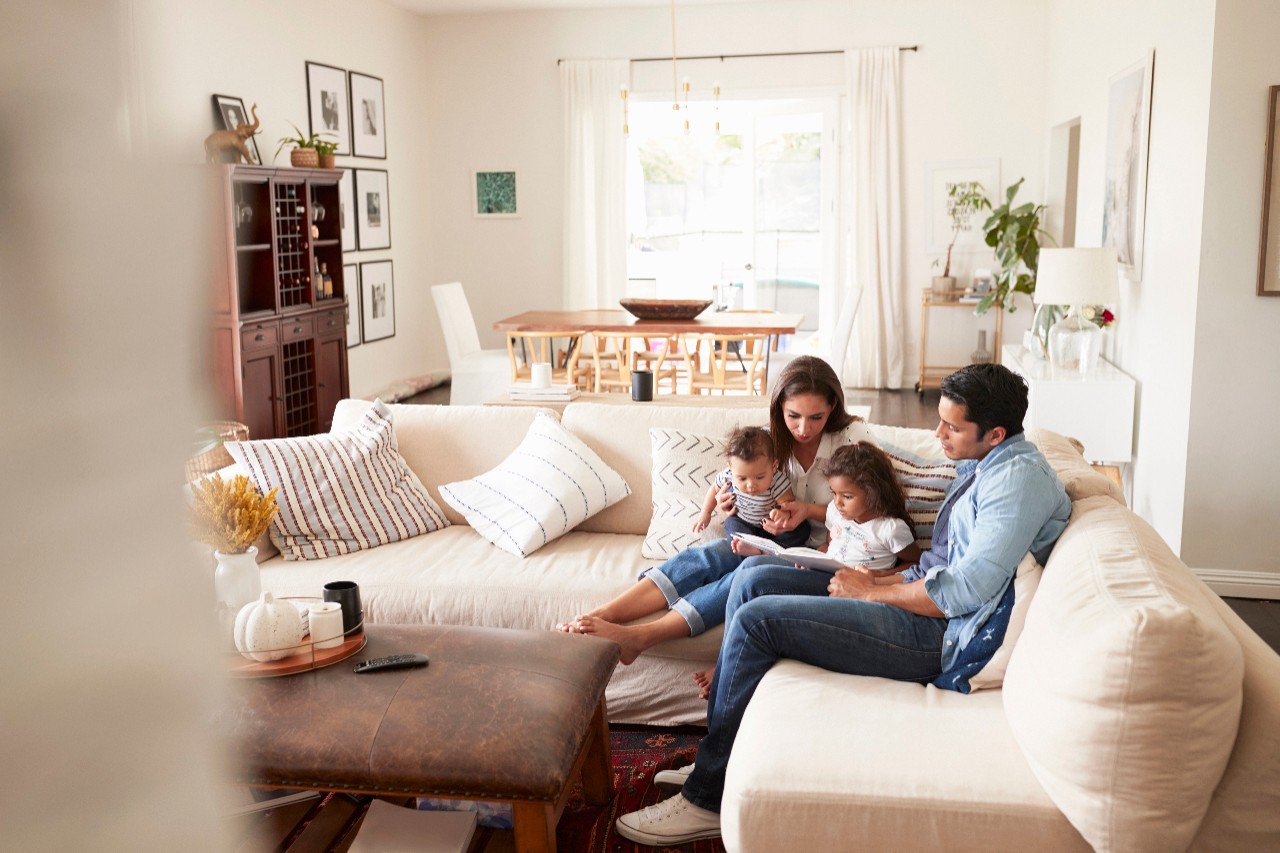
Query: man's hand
852	583
860	583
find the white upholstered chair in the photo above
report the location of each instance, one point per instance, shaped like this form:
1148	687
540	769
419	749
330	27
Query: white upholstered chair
479	374
833	351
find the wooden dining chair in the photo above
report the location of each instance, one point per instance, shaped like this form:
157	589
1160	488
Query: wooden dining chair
528	348
662	355
726	363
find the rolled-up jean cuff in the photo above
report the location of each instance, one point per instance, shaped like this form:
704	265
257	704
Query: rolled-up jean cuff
691	615
664	585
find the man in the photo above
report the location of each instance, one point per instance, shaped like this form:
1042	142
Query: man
1004	502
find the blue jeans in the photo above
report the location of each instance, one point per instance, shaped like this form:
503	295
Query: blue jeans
777	611
696	582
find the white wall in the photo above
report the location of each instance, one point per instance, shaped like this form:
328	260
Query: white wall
258	52
1233	471
974	90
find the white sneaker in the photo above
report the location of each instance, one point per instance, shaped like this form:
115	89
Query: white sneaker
672	821
672	778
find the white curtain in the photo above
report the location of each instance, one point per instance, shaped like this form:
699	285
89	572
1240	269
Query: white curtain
595	225
872	190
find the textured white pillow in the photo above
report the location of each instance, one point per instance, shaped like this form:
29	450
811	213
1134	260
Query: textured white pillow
1025	583
1125	689
548	485
340	492
684	466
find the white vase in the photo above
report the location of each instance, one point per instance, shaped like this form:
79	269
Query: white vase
237	580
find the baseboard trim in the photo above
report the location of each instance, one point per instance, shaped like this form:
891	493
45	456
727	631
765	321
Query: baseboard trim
1237	584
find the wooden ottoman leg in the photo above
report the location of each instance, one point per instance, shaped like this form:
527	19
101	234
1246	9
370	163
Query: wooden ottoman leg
597	766
535	827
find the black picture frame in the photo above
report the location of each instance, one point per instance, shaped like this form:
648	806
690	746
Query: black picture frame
368	116
347	208
351	279
328	103
373	209
226	117
377	301
1269	242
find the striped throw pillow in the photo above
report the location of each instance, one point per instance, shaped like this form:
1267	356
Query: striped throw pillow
549	485
340	492
925	480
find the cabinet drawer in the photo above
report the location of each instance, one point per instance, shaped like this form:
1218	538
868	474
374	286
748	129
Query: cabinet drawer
255	336
330	324
297	328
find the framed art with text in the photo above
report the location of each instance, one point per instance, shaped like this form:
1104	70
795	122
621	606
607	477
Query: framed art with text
368	116
1125	170
327	105
377	300
1269	243
351	277
939	179
373	209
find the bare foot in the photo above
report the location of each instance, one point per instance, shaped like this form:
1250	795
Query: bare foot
742	549
624	635
703	680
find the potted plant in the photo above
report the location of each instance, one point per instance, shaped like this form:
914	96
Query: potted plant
1015	234
964	198
307	150
325	151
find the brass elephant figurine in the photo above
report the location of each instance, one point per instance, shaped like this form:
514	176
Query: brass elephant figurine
222	140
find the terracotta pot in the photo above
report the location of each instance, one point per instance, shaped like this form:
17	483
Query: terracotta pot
327	161
304	158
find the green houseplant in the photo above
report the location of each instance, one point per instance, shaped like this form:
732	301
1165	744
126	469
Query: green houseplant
1015	234
307	150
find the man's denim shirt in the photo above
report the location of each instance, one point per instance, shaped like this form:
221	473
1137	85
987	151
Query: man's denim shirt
1023	507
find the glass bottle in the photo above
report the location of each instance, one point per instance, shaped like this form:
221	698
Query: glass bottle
328	281
319	279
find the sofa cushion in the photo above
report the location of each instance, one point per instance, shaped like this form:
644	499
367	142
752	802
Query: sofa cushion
1124	691
549	485
1080	479
925	480
825	761
685	465
341	492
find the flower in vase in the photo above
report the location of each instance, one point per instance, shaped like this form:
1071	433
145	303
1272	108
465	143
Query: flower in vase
230	515
1098	315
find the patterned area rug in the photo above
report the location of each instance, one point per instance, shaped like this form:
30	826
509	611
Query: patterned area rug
638	752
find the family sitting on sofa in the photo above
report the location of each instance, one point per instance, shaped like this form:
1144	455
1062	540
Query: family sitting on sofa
947	611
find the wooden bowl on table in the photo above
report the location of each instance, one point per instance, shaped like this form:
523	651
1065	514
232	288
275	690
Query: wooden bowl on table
665	309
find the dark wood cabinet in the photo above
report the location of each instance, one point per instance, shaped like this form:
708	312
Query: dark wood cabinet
279	334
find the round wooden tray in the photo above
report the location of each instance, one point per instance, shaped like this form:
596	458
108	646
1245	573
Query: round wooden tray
304	657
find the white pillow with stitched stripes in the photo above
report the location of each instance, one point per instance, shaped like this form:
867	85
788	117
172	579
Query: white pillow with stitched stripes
549	485
340	492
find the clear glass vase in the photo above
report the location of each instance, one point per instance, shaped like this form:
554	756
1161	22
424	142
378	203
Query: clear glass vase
1041	323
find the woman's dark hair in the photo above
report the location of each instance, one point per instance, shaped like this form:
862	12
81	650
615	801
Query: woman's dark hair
992	396
869	468
805	374
749	444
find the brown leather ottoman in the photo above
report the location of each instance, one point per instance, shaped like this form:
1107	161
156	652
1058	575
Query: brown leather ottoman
498	714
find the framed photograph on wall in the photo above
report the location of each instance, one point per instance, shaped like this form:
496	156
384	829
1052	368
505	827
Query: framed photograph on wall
347	209
493	194
1125	172
373	209
940	177
377	300
327	105
351	278
1269	244
369	116
228	114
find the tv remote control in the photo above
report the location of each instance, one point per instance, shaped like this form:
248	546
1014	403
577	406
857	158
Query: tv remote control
391	662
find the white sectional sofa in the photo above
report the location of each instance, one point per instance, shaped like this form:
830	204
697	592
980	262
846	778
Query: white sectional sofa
1138	712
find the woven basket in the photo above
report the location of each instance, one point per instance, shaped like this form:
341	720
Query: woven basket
217	457
304	158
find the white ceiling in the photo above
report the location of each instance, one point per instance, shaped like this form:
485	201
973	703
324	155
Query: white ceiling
453	7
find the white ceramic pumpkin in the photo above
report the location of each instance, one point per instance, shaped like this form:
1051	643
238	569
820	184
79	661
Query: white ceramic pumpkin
268	630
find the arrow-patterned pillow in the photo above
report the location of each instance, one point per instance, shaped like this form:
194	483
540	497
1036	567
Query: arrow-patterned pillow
684	465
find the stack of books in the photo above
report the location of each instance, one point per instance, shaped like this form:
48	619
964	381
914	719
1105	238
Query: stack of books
546	394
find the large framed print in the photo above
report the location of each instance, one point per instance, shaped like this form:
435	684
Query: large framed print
493	195
1125	171
377	300
351	278
940	177
373	209
347	209
327	105
368	116
1269	244
228	114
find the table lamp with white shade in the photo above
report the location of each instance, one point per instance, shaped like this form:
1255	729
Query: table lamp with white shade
1076	277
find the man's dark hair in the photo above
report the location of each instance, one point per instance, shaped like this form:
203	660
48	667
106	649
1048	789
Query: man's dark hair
992	396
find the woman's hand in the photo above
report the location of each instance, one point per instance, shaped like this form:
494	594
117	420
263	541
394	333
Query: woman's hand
785	517
724	500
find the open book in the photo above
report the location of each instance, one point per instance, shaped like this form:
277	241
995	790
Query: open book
810	558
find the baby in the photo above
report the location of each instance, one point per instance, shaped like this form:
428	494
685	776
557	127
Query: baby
758	485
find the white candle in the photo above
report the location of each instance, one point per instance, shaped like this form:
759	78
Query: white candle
540	376
325	619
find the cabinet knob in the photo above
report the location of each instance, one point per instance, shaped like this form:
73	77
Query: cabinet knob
259	337
333	322
297	330
322	385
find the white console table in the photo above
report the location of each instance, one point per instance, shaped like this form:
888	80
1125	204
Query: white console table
1095	408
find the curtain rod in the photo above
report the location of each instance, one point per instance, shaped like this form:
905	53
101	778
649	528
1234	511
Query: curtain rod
723	56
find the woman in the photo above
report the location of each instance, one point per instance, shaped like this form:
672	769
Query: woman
807	420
